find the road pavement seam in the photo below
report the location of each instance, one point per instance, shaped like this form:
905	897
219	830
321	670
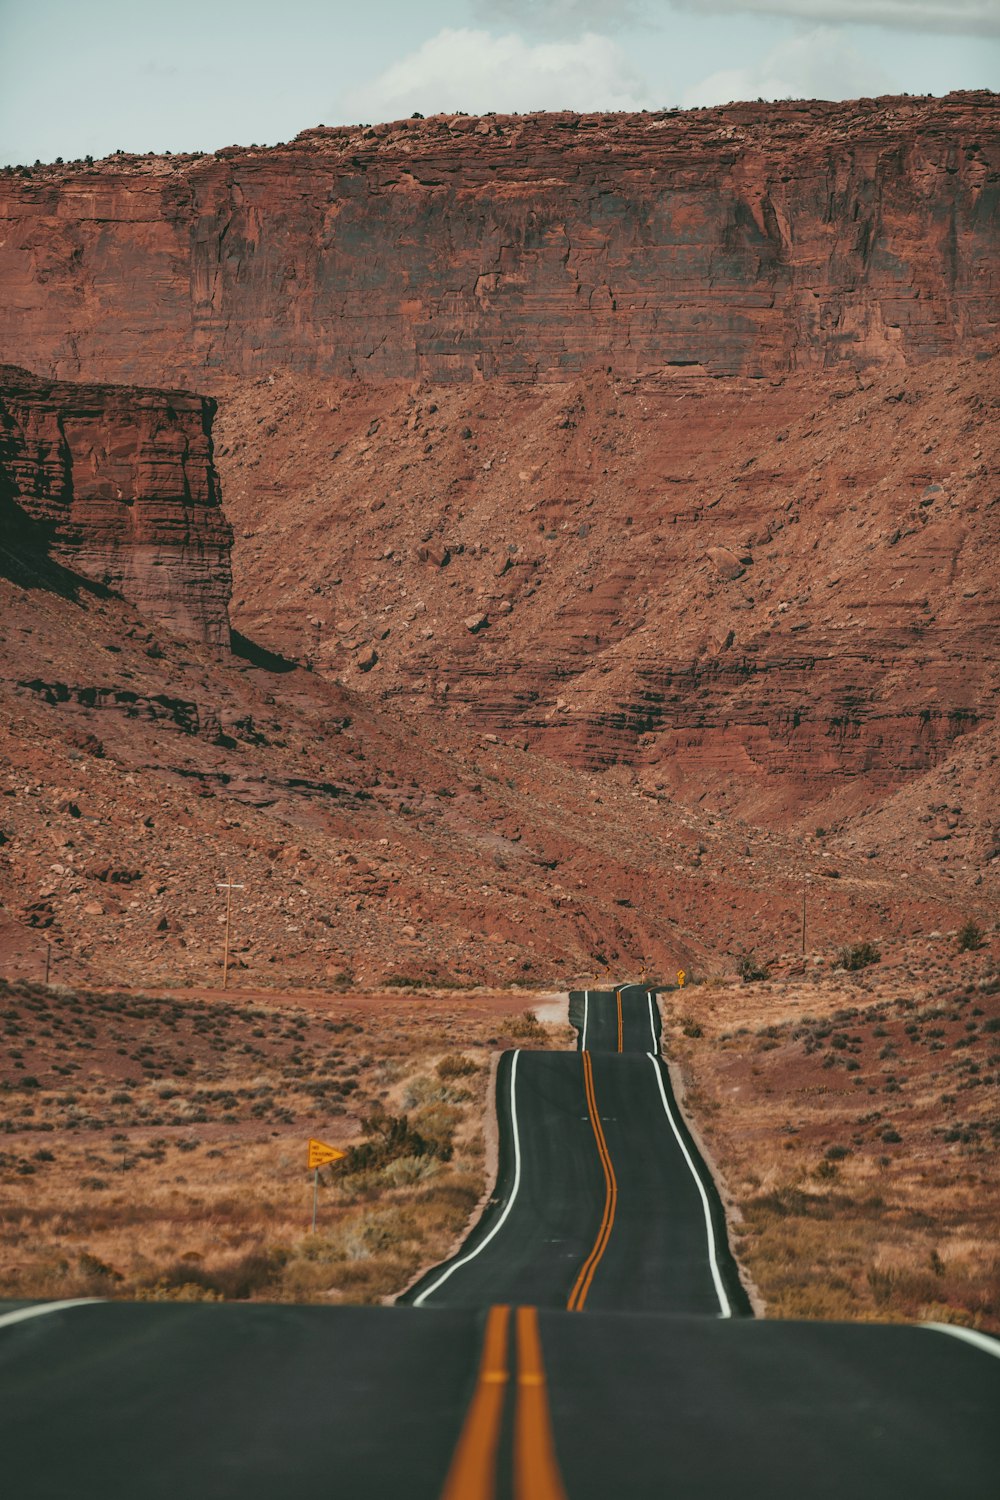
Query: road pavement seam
419	1301
578	1295
41	1308
726	1310
621	1021
968	1335
536	1468
472	1475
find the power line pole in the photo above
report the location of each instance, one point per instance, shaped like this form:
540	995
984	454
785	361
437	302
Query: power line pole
803	921
229	888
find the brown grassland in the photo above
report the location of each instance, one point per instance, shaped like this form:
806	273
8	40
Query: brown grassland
155	1147
854	1120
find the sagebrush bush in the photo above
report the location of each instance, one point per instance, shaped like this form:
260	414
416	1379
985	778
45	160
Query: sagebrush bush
455	1065
858	956
749	970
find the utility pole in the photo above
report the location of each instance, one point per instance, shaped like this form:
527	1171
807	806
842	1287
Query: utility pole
227	886
803	920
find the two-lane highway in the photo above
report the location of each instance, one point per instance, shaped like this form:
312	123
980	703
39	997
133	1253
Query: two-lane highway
140	1401
602	1199
602	1206
625	1019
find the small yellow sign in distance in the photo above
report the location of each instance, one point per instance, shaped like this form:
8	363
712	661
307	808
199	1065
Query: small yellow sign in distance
681	976
320	1153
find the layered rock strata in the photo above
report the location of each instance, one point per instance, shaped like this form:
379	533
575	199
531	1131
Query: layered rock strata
118	484
747	240
781	593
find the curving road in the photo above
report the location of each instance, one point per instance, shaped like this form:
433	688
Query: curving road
602	1200
602	1206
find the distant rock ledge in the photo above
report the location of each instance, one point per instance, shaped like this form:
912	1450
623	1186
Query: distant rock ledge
118	484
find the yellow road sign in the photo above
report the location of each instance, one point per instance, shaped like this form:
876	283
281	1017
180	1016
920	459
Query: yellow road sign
681	976
320	1153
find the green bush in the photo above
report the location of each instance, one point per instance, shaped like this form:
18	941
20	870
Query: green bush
388	1137
970	936
858	956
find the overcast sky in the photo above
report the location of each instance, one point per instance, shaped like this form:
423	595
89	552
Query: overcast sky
79	76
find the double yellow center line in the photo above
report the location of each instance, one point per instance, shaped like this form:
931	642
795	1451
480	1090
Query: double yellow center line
578	1295
473	1472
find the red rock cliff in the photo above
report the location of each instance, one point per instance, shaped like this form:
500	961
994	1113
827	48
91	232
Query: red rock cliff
748	240
121	487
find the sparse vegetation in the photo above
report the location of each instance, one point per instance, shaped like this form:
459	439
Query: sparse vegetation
858	956
173	1168
749	969
970	937
855	1129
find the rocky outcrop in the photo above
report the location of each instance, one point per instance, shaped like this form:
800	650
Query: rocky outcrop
749	240
118	484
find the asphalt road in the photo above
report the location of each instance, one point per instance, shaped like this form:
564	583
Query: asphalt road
134	1401
602	1201
494	1386
626	1019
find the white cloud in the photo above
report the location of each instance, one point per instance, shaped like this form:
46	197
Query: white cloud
476	71
561	16
979	17
819	65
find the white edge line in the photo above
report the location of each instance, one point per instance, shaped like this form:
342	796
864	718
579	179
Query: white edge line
652	1024
41	1308
586	1011
725	1309
456	1265
970	1336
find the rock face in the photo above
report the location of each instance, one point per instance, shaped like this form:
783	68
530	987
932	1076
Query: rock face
772	595
745	241
118	484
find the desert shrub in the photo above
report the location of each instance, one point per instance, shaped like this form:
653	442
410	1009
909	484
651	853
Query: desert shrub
882	1285
386	1138
235	1282
454	1065
437	1124
858	956
97	1270
407	1170
525	1027
970	936
748	968
691	1028
424	1090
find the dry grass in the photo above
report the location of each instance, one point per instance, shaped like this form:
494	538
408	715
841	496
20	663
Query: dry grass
855	1121
155	1147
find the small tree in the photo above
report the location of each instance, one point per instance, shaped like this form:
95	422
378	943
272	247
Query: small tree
970	936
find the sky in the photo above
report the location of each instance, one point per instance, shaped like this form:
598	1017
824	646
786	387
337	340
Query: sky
82	77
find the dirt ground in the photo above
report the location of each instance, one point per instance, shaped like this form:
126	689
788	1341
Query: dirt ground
155	1147
854	1120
